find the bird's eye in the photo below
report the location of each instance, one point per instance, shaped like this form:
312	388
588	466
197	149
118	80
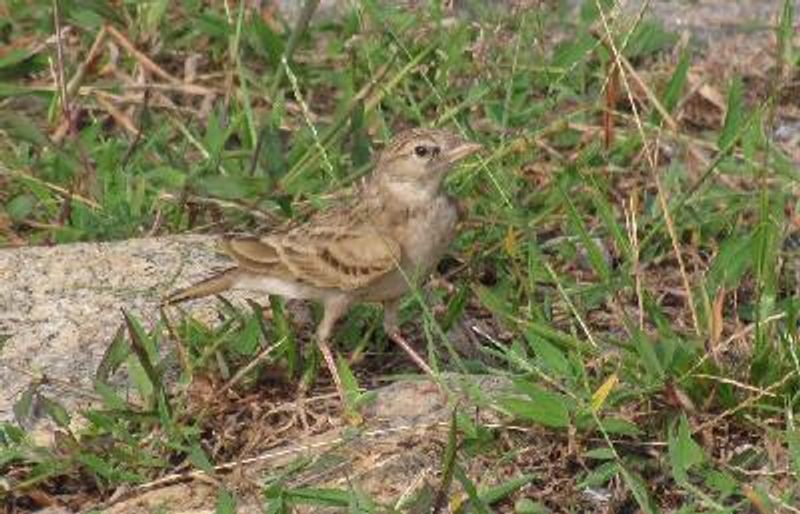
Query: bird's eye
421	151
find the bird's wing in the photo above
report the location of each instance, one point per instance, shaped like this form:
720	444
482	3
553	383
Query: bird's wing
255	254
323	256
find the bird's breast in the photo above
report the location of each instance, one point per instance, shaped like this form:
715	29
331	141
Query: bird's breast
429	231
424	232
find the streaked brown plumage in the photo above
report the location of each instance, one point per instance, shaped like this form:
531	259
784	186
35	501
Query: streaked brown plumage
371	249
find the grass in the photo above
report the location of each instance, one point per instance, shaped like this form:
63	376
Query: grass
627	252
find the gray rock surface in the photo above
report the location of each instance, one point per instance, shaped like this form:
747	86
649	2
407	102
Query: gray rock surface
704	18
707	18
60	306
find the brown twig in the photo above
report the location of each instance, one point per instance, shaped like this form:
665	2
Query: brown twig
135	144
145	61
236	378
90	60
119	117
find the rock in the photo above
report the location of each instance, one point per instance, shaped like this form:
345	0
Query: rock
60	307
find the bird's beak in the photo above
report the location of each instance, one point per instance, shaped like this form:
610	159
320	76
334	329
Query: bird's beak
461	150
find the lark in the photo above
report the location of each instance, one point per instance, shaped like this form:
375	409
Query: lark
374	248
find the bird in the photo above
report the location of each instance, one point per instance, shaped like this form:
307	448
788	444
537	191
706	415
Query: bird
371	249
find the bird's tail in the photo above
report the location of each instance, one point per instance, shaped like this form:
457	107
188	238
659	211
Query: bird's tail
218	283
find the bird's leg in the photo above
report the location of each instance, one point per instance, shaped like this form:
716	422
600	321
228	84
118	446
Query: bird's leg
391	310
300	407
334	309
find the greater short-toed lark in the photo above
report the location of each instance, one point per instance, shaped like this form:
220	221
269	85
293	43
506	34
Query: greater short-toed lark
371	249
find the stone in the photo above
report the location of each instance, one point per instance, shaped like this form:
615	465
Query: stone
60	307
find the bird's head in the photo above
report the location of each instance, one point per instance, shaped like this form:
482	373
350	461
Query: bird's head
416	161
